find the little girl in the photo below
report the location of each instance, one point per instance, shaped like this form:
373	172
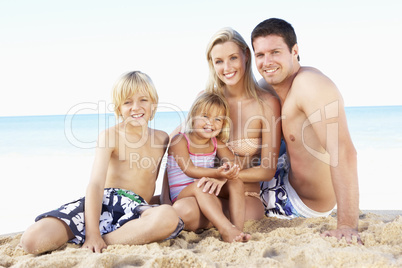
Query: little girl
191	156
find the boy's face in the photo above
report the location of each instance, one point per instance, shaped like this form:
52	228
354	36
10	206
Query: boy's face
208	124
137	109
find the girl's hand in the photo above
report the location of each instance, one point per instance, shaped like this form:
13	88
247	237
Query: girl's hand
211	185
228	170
94	244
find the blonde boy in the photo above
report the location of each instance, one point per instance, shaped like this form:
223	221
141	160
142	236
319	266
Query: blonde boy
115	209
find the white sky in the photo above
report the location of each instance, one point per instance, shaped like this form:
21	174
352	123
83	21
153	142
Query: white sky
55	55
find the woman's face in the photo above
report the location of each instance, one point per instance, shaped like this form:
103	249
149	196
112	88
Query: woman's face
229	63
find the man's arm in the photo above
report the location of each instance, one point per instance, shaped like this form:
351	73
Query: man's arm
333	134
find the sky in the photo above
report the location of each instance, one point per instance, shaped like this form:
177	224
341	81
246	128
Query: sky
63	57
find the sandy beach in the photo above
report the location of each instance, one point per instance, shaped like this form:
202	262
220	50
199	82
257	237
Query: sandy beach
274	243
50	176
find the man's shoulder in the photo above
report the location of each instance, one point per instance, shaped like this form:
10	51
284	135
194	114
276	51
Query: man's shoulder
311	80
310	76
312	89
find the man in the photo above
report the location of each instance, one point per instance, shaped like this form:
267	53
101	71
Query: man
319	169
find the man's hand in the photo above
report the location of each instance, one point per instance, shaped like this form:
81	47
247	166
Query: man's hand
211	185
94	244
346	232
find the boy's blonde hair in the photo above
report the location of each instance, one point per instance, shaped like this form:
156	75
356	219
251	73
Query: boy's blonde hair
130	84
205	102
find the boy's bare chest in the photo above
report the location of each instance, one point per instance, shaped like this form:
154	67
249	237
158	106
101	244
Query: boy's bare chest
146	151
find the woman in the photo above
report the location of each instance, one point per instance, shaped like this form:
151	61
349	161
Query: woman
255	119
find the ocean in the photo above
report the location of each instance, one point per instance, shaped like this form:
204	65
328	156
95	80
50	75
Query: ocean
46	160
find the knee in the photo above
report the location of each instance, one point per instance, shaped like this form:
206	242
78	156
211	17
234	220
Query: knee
169	216
45	235
184	211
189	214
29	241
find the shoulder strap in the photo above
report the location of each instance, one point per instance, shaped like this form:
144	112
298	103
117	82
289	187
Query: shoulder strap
215	143
188	141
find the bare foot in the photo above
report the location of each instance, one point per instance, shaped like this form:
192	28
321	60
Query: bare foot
242	237
233	234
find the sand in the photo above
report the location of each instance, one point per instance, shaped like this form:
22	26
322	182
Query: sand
274	243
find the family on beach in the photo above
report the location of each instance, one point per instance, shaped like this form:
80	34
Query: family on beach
227	164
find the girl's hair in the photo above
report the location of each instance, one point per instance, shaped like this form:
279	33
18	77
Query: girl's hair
214	84
204	103
130	84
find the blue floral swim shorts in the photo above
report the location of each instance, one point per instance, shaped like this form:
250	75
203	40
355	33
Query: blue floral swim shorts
118	207
280	199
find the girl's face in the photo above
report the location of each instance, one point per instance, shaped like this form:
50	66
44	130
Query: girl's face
137	109
208	124
229	63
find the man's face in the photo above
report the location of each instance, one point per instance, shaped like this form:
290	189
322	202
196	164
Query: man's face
273	59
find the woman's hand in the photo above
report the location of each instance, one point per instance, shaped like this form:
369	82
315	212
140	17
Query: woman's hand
211	185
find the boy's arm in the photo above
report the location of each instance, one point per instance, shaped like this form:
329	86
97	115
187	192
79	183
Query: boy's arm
94	196
164	197
165	192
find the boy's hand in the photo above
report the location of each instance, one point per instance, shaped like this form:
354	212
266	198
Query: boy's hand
228	170
211	185
96	245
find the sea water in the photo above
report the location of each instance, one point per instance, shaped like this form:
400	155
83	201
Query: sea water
65	134
46	161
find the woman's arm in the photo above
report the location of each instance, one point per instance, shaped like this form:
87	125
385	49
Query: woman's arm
271	129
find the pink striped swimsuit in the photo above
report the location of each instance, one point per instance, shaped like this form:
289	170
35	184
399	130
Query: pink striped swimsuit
176	177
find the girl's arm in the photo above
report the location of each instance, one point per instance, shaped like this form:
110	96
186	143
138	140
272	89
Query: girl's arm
94	194
178	149
271	129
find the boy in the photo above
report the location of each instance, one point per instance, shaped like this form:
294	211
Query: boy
127	160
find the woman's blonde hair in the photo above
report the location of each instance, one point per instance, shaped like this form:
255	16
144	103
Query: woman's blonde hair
204	103
214	84
130	84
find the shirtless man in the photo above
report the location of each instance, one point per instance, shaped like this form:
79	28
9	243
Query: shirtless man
319	170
